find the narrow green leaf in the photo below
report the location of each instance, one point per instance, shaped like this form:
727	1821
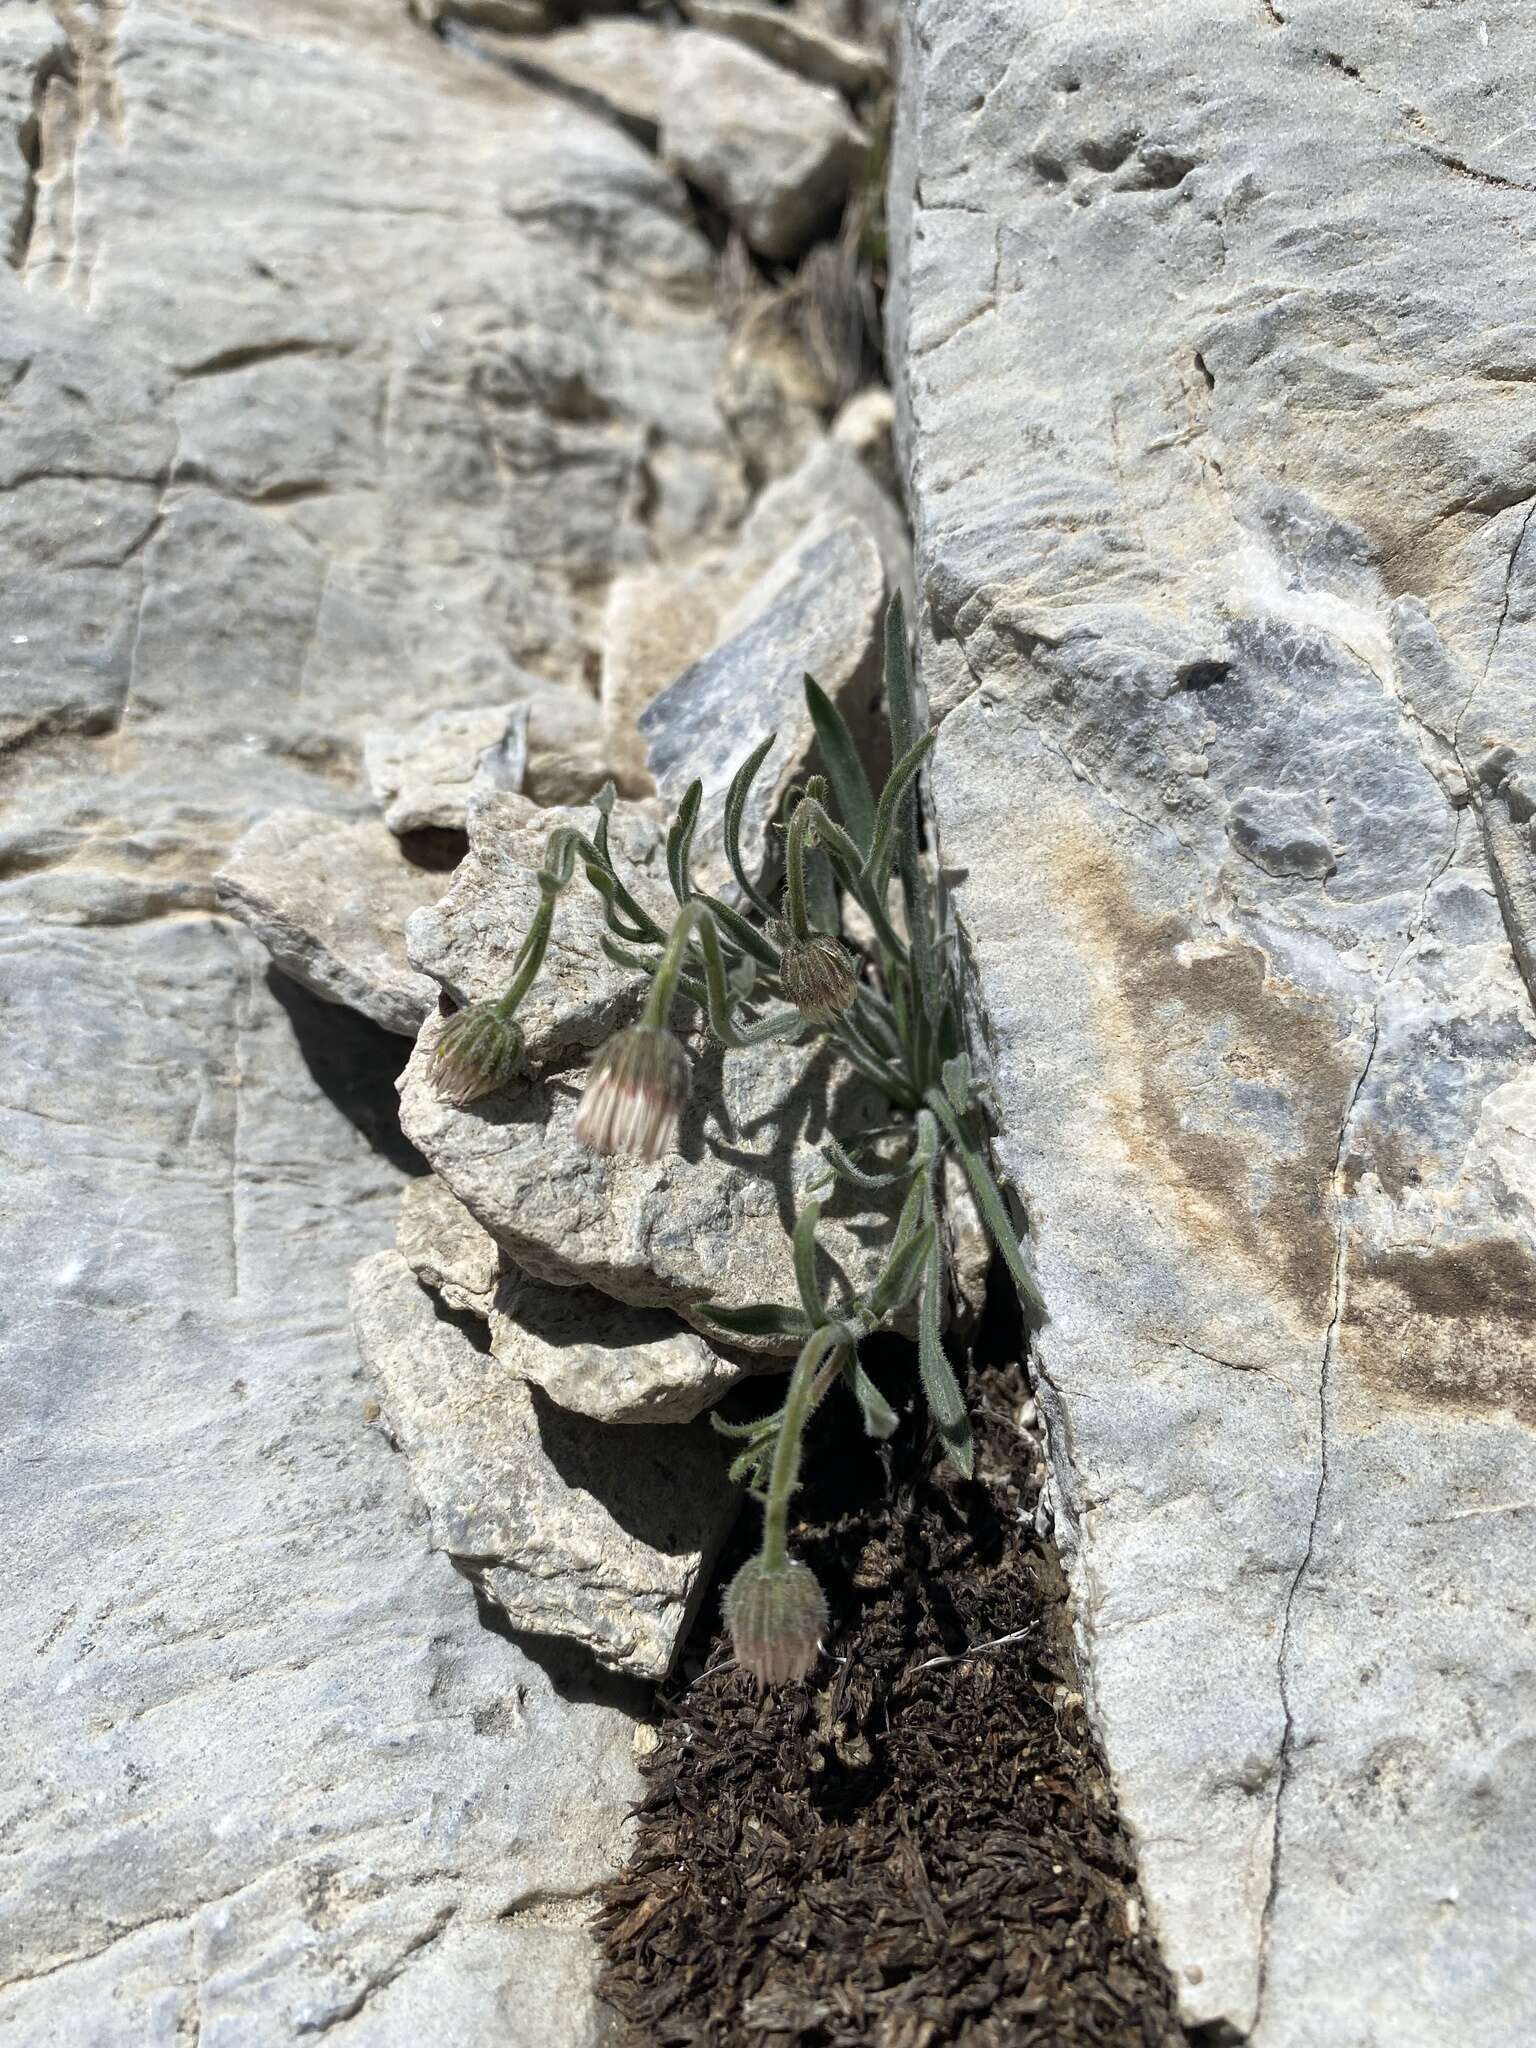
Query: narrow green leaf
604	801
893	1290
760	1425
804	1243
758	1319
882	851
957	1082
841	1164
855	799
880	1418
735	808
822	907
946	1403
746	936
680	841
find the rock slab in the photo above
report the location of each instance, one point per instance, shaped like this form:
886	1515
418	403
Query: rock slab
1215	404
329	897
601	1537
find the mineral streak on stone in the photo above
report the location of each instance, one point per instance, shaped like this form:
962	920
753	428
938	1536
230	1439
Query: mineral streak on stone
817	611
469	941
600	1536
776	152
1217	404
708	1224
420	777
603	1358
328	897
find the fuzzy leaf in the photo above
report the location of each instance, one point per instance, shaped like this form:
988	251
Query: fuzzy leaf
880	1418
946	1403
855	799
758	1319
735	808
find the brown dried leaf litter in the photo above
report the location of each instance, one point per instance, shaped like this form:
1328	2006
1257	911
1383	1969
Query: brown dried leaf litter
916	1848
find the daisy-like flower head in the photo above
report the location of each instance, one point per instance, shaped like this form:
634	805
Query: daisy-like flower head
477	1052
636	1090
777	1615
818	975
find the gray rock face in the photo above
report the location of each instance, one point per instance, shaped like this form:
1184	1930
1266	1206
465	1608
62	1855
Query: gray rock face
446	1248
601	1537
421	777
708	1223
603	1358
1222	624
798	45
328	897
662	621
469	940
777	152
318	413
816	610
622	66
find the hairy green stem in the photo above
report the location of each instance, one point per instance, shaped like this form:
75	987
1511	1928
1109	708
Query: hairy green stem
806	1384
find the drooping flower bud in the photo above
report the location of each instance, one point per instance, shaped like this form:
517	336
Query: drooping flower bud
477	1052
636	1090
777	1615
818	975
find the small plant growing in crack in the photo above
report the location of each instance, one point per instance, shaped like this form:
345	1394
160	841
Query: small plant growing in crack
760	972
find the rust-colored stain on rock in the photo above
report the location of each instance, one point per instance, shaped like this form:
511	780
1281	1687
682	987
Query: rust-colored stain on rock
1451	1329
1227	1008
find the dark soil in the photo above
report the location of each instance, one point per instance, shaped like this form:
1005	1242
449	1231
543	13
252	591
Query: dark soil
918	1845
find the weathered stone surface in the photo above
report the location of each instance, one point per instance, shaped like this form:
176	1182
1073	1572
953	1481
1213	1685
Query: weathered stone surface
600	1536
446	1248
661	621
604	1358
339	373
620	65
420	777
1217	406
816	610
709	1223
867	425
776	152
798	45
266	1764
328	897
469	941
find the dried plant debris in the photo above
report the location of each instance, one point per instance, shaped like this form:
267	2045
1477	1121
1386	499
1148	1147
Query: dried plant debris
920	1848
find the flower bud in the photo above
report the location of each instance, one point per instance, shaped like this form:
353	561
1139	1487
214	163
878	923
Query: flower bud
776	1615
477	1052
636	1090
818	975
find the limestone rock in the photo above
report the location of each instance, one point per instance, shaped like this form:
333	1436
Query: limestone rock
328	897
798	45
708	1224
469	940
420	776
1222	628
605	1359
622	66
867	424
316	416
776	413
602	1537
660	621
816	610
776	152
446	1248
